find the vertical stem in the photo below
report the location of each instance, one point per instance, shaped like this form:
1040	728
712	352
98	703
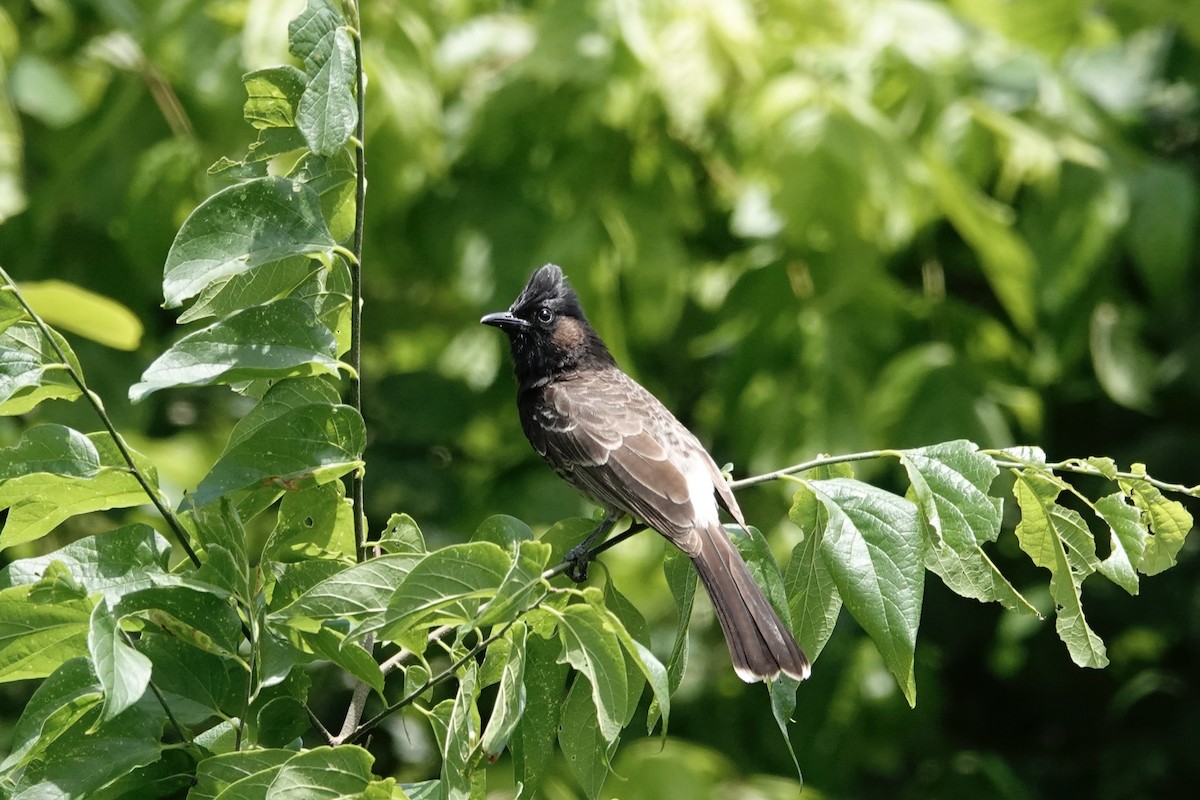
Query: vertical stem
360	196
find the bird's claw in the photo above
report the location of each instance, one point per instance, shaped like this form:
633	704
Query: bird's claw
577	561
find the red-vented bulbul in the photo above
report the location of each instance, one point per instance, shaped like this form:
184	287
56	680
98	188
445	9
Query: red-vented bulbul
616	444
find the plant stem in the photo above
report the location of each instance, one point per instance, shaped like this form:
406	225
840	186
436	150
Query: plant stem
172	520
435	680
1078	468
357	492
824	461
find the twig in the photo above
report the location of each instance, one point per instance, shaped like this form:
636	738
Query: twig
1079	468
435	680
824	461
357	493
173	521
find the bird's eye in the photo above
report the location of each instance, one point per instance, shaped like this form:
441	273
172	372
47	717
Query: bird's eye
545	315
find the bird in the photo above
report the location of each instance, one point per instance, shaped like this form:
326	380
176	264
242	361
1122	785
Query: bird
616	444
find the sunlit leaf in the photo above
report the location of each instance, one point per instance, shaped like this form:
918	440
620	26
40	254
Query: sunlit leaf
872	546
240	228
1043	533
950	483
281	339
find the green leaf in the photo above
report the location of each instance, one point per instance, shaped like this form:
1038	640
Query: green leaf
255	288
521	583
72	308
334	179
323	773
813	599
128	559
1167	519
502	530
240	228
310	35
462	734
220	533
584	746
11	309
402	535
202	618
950	483
314	523
123	671
279	721
338	648
359	593
36	639
238	776
31	371
681	579
1045	531
1127	541
445	588
510	697
281	339
87	755
532	743
328	112
272	95
54	449
591	646
39	502
308	446
197	684
783	706
57	704
873	549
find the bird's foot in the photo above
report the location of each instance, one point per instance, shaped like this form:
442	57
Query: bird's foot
577	560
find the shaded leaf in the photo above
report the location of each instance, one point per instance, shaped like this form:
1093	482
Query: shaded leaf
591	646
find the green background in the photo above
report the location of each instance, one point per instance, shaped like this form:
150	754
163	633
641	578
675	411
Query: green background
809	227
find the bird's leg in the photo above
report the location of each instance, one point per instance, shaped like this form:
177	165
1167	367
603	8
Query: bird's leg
578	557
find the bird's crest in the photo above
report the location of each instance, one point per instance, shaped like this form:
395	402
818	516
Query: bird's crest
548	287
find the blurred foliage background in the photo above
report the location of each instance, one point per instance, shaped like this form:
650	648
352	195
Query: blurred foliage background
818	226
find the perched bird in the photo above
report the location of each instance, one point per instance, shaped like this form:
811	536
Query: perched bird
616	444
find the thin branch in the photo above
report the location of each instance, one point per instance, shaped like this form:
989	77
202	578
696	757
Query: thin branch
824	461
1079	468
320	726
358	701
435	680
357	493
172	520
162	701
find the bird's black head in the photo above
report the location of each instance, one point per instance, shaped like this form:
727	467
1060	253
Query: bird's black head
547	332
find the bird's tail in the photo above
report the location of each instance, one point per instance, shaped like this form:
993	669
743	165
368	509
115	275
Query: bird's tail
759	643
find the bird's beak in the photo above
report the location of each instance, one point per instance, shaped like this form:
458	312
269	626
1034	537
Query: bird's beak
505	320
